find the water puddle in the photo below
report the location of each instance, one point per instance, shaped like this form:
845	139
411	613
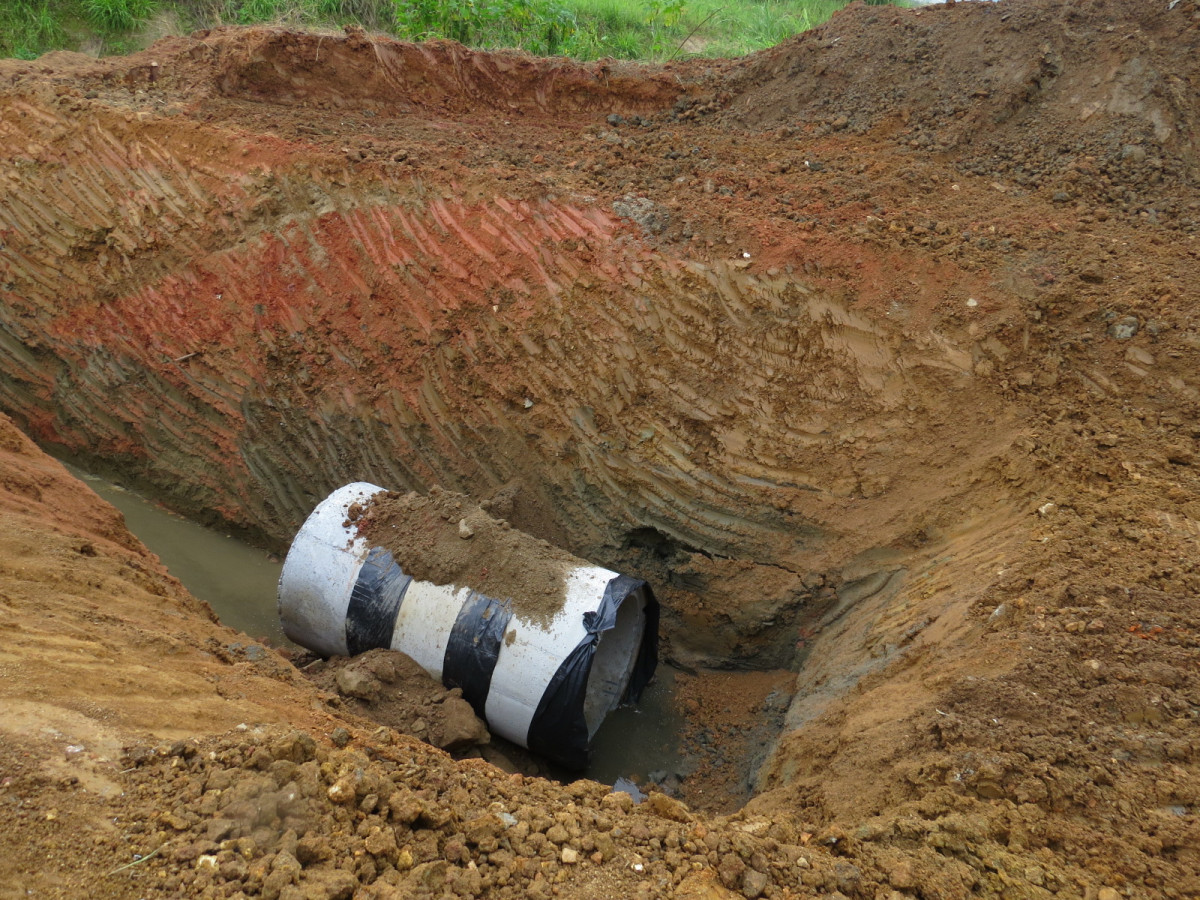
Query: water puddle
642	742
238	581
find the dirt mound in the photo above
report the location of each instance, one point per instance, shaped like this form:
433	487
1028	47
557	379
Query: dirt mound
386	76
1084	102
390	688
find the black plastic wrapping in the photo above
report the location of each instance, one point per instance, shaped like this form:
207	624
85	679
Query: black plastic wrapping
375	602
559	730
474	647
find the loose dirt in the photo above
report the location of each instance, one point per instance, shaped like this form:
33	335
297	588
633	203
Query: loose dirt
446	539
876	354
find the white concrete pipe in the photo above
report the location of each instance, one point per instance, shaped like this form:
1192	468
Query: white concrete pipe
544	685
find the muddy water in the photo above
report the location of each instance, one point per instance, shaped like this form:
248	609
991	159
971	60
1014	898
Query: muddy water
641	742
238	581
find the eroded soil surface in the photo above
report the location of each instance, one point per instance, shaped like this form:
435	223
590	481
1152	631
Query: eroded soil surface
876	354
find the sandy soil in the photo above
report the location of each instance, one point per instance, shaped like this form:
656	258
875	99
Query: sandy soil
875	353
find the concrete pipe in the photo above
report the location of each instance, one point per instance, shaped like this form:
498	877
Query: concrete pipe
544	683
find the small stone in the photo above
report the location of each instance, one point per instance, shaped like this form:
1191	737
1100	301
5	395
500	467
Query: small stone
312	849
1139	356
340	737
460	728
1124	328
569	856
342	791
465	531
754	883
667	808
355	681
1107	893
839	123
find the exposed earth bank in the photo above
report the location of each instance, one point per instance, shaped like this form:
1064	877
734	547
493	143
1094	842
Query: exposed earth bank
875	353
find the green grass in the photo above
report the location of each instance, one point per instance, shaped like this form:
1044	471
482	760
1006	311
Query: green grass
29	28
585	29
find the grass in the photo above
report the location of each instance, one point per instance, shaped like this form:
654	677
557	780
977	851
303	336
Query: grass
585	29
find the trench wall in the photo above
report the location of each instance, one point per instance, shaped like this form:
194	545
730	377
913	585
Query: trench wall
241	325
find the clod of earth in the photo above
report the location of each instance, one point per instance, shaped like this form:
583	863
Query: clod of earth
971	529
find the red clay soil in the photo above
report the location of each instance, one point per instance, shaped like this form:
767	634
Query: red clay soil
875	353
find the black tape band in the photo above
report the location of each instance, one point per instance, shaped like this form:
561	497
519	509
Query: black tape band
474	647
375	602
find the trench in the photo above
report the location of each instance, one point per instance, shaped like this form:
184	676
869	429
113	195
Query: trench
653	742
741	433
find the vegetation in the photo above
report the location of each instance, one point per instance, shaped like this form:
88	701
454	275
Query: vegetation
586	29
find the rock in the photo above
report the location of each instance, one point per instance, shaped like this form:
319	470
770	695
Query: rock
381	842
667	808
465	531
358	681
297	747
1124	328
285	869
901	874
731	869
645	212
312	849
484	831
557	835
342	790
618	800
753	883
340	737
460	728
1107	893
569	856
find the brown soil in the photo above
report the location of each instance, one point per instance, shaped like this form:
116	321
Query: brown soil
446	539
391	688
876	354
